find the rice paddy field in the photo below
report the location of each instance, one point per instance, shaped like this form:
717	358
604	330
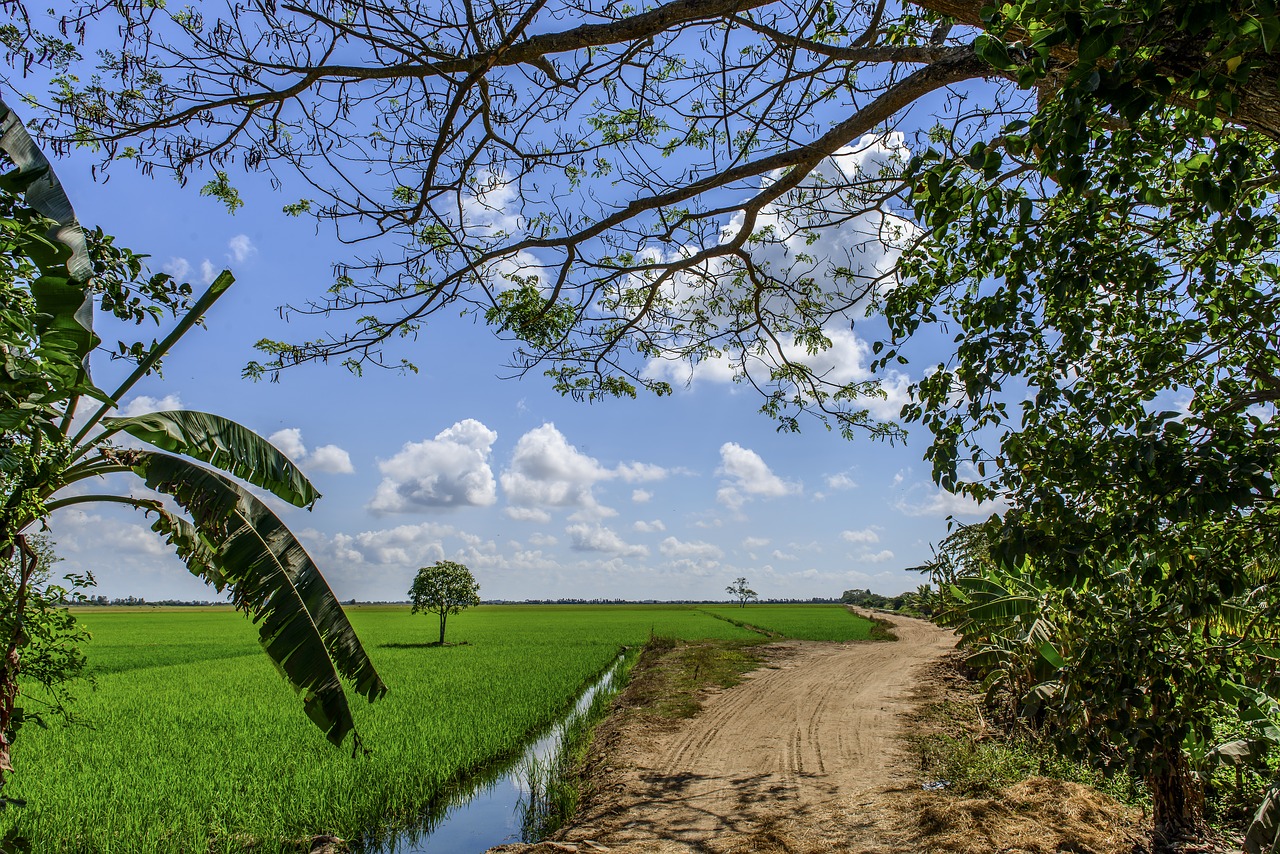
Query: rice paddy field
189	741
805	622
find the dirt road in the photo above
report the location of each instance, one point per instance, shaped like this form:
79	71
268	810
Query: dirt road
789	756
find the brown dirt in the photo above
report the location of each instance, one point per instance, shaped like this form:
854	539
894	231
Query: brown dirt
807	756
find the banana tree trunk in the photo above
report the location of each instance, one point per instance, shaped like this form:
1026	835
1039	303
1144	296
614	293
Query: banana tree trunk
1177	799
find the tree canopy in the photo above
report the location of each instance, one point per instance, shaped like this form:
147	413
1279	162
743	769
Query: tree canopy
444	588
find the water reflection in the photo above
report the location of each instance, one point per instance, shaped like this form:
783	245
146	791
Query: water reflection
487	809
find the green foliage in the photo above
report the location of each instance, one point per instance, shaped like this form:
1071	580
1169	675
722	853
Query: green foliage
444	588
1120	670
52	642
740	591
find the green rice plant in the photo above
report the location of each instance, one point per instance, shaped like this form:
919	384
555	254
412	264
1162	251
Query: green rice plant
194	745
804	622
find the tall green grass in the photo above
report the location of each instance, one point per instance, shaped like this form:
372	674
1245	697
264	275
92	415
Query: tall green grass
805	622
196	745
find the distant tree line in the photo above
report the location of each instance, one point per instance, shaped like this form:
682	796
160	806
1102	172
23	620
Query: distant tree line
138	600
924	601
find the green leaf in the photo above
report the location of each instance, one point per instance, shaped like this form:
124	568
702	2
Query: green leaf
236	542
223	443
66	334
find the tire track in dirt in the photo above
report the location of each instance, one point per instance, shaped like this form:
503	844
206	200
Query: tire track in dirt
798	743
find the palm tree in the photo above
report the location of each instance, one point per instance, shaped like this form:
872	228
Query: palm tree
225	534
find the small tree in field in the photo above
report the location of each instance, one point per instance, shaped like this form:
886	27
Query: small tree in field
740	591
444	588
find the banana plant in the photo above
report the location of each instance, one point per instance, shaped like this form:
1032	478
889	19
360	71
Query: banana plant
225	534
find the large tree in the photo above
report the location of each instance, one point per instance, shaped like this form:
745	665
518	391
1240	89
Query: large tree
620	188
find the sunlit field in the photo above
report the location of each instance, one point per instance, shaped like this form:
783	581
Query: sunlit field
192	743
806	622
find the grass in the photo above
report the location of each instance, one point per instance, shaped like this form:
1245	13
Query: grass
955	747
805	622
196	744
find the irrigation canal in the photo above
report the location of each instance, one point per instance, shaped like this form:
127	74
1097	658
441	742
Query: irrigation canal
489	809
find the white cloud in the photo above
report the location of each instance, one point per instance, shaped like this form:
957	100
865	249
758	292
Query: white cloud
597	538
641	496
182	269
142	404
755	542
878	557
940	503
841	481
642	472
179	268
747	476
779	554
649	527
289	441
326	458
548	472
404	546
331	459
695	550
866	535
528	514
241	247
451	470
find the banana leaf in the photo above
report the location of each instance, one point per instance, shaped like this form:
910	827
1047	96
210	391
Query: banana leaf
223	444
237	543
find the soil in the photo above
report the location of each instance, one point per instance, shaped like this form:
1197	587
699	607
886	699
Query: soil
807	755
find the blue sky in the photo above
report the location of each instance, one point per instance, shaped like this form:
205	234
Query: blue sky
541	496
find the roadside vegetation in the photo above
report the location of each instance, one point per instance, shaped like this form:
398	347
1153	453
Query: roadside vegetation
1120	683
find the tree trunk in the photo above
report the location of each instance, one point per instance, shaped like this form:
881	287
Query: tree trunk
1177	800
28	562
443	616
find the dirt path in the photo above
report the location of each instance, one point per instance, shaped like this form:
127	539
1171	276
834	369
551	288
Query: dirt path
789	755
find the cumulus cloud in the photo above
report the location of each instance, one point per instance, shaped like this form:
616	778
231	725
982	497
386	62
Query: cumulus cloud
289	441
779	554
649	527
401	546
642	472
746	476
241	247
450	470
641	496
755	542
877	557
547	472
597	538
326	458
142	404
864	536
941	504
179	268
207	271
691	550
331	459
840	481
